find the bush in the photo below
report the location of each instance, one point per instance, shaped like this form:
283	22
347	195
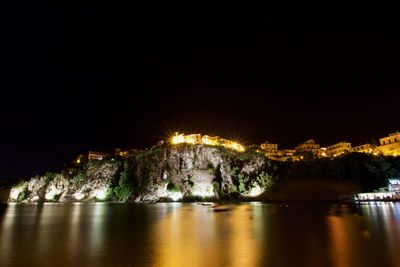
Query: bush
19	184
21	197
49	176
125	186
79	177
173	187
216	188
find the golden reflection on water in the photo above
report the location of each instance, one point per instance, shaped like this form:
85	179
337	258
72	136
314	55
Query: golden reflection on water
195	236
6	234
339	241
387	227
174	234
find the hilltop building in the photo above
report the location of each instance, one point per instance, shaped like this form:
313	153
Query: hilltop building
271	150
390	145
205	140
338	149
308	146
125	153
364	148
287	154
122	153
81	159
94	155
393	184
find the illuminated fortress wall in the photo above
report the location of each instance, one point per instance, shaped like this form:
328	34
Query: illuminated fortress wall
197	139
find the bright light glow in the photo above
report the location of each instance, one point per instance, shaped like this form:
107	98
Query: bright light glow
101	194
79	196
178	139
376	196
175	196
15	191
78	161
50	195
203	193
256	191
206	140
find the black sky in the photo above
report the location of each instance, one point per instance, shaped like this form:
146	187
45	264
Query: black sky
81	77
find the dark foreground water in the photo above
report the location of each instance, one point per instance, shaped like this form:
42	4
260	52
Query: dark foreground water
250	234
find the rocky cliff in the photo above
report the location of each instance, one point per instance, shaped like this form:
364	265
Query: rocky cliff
162	173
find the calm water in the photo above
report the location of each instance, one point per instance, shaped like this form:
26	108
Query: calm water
251	234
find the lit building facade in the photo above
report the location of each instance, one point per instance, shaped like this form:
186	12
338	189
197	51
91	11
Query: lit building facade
287	154
338	149
197	139
390	145
393	184
364	148
308	146
93	155
271	150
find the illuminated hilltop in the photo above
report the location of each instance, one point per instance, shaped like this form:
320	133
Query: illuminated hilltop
197	139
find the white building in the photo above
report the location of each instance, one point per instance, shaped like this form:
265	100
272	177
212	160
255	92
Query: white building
308	146
364	148
338	149
390	145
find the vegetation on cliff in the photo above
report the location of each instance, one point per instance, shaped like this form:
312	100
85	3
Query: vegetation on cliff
367	170
196	172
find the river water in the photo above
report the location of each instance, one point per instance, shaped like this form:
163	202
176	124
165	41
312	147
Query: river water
176	234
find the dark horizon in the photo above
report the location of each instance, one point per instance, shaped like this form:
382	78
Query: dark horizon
81	78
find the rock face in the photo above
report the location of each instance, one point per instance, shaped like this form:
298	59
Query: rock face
161	173
89	184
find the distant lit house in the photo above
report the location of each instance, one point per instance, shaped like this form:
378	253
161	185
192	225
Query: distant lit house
323	152
390	145
271	150
393	184
80	159
364	148
122	153
287	154
391	192
338	149
94	155
308	146
125	153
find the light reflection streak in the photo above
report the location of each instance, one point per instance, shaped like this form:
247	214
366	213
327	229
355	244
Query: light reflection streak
74	231
389	219
244	249
182	236
96	236
338	236
190	236
6	234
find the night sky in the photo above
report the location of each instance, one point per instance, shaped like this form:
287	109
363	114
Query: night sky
81	77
